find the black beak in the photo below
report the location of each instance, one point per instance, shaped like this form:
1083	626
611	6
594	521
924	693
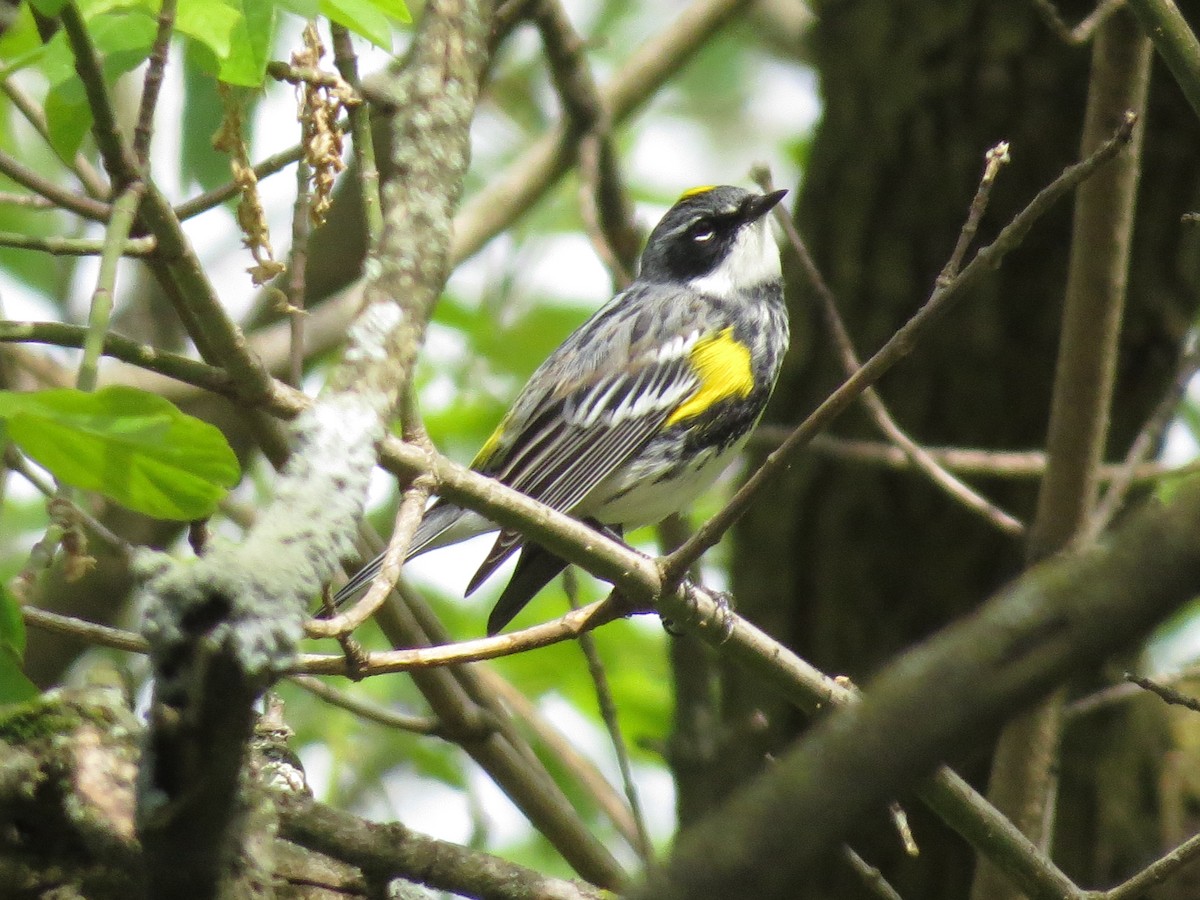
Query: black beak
758	206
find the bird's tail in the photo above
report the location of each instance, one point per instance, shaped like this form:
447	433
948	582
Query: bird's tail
444	524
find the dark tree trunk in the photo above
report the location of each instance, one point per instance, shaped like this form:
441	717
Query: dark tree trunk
850	564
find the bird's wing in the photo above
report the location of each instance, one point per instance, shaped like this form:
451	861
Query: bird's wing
582	437
577	424
577	439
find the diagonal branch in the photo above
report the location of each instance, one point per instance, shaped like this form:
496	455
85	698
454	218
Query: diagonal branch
943	298
920	458
1023	781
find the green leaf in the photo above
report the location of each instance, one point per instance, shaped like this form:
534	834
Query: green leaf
394	9
250	43
131	446
15	686
123	39
12	625
363	17
305	9
202	113
48	7
20	44
68	117
211	22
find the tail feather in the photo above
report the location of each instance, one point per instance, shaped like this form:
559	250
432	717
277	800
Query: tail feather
507	543
536	566
437	529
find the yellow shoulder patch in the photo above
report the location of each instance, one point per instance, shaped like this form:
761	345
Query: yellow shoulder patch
696	191
723	364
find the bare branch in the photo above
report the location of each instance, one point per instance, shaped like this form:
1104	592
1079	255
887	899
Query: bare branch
1175	43
144	130
898	346
1147	440
1156	873
1081	33
172	365
921	460
86	207
63	246
1164	692
392	851
612	723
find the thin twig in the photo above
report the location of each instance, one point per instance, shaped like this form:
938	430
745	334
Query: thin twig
965	461
368	709
1156	873
119	161
144	356
408	517
1125	691
360	132
1148	438
898	346
994	159
1081	33
91	180
15	460
903	829
28	201
566	627
277	162
923	461
870	876
144	130
612	723
63	246
115	238
89	633
86	207
297	264
301	75
1164	692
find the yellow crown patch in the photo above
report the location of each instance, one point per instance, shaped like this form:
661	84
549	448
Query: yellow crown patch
697	191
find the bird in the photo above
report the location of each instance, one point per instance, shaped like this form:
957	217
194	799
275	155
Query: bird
643	406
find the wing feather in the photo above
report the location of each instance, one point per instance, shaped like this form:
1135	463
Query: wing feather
569	448
598	427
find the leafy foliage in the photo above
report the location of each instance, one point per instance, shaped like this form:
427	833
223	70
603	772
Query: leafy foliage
15	687
131	446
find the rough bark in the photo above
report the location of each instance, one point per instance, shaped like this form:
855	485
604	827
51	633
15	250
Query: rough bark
869	561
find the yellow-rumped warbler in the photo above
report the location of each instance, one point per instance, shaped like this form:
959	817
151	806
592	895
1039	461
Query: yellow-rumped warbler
642	407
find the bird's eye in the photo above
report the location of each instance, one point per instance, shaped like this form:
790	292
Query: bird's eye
702	232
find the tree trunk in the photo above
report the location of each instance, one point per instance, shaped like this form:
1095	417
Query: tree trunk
870	561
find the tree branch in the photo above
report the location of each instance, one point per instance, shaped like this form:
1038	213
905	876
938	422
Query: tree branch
943	298
221	628
1023	783
384	852
1175	43
938	700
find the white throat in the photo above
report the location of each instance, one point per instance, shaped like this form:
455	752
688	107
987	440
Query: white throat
753	260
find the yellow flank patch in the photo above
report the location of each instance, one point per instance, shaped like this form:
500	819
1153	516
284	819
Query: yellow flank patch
723	364
697	191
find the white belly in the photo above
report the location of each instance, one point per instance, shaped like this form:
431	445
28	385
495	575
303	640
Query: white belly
615	502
